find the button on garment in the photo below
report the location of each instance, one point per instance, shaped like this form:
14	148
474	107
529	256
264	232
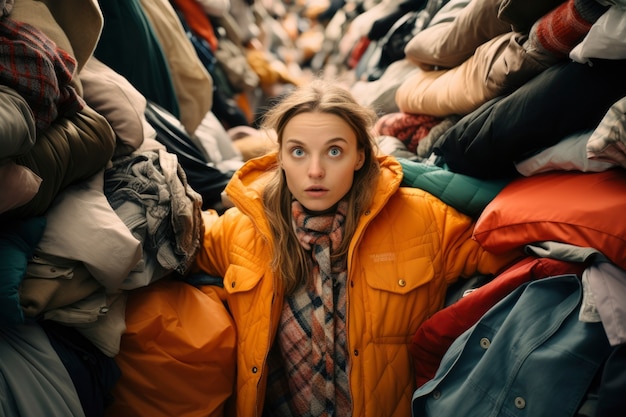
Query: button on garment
484	342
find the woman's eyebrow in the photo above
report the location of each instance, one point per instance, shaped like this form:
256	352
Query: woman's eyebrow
337	139
328	142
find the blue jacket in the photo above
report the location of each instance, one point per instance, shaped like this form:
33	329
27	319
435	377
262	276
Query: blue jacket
529	355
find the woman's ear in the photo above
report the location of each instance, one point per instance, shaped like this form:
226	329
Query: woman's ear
360	161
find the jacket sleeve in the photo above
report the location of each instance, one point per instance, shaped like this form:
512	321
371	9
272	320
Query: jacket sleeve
213	256
461	255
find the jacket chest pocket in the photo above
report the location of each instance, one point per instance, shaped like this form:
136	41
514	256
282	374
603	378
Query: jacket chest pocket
396	276
396	293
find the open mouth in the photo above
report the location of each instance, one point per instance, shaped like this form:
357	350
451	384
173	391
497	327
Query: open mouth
316	189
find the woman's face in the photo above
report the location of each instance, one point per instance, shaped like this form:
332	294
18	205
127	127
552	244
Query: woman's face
319	156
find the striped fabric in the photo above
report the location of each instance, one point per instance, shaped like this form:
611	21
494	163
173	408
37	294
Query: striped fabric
560	30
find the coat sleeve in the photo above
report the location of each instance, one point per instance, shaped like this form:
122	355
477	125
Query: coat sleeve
460	255
212	257
221	235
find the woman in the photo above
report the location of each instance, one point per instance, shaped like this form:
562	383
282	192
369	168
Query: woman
330	266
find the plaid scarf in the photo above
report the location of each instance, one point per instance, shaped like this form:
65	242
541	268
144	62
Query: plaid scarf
33	65
308	368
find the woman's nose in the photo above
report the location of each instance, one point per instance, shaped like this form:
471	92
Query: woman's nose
316	170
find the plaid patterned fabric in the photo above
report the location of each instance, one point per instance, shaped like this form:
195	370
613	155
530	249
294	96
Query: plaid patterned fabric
32	65
308	367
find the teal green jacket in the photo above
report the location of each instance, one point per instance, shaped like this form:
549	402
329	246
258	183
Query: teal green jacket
465	193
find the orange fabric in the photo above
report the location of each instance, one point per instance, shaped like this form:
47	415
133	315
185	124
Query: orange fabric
197	20
578	208
243	102
177	355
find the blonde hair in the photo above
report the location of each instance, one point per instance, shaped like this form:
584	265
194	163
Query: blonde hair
289	260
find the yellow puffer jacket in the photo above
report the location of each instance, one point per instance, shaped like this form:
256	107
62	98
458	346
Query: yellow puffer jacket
408	247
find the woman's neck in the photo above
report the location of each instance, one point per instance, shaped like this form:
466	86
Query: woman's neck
331	209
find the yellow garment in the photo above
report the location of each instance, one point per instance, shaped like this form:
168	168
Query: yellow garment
407	248
269	69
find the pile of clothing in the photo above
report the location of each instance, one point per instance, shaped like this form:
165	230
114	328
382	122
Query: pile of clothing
121	126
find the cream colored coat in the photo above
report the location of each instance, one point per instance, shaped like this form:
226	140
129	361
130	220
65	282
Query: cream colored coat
407	248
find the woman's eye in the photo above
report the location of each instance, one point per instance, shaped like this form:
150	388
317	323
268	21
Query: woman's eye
297	152
335	152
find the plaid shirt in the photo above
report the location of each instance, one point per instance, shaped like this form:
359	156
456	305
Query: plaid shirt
38	70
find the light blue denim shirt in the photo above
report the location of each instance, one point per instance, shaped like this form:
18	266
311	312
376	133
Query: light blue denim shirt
529	355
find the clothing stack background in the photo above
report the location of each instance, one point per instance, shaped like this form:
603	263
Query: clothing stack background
504	100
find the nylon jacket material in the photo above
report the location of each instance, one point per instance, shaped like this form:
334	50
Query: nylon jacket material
407	248
467	194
